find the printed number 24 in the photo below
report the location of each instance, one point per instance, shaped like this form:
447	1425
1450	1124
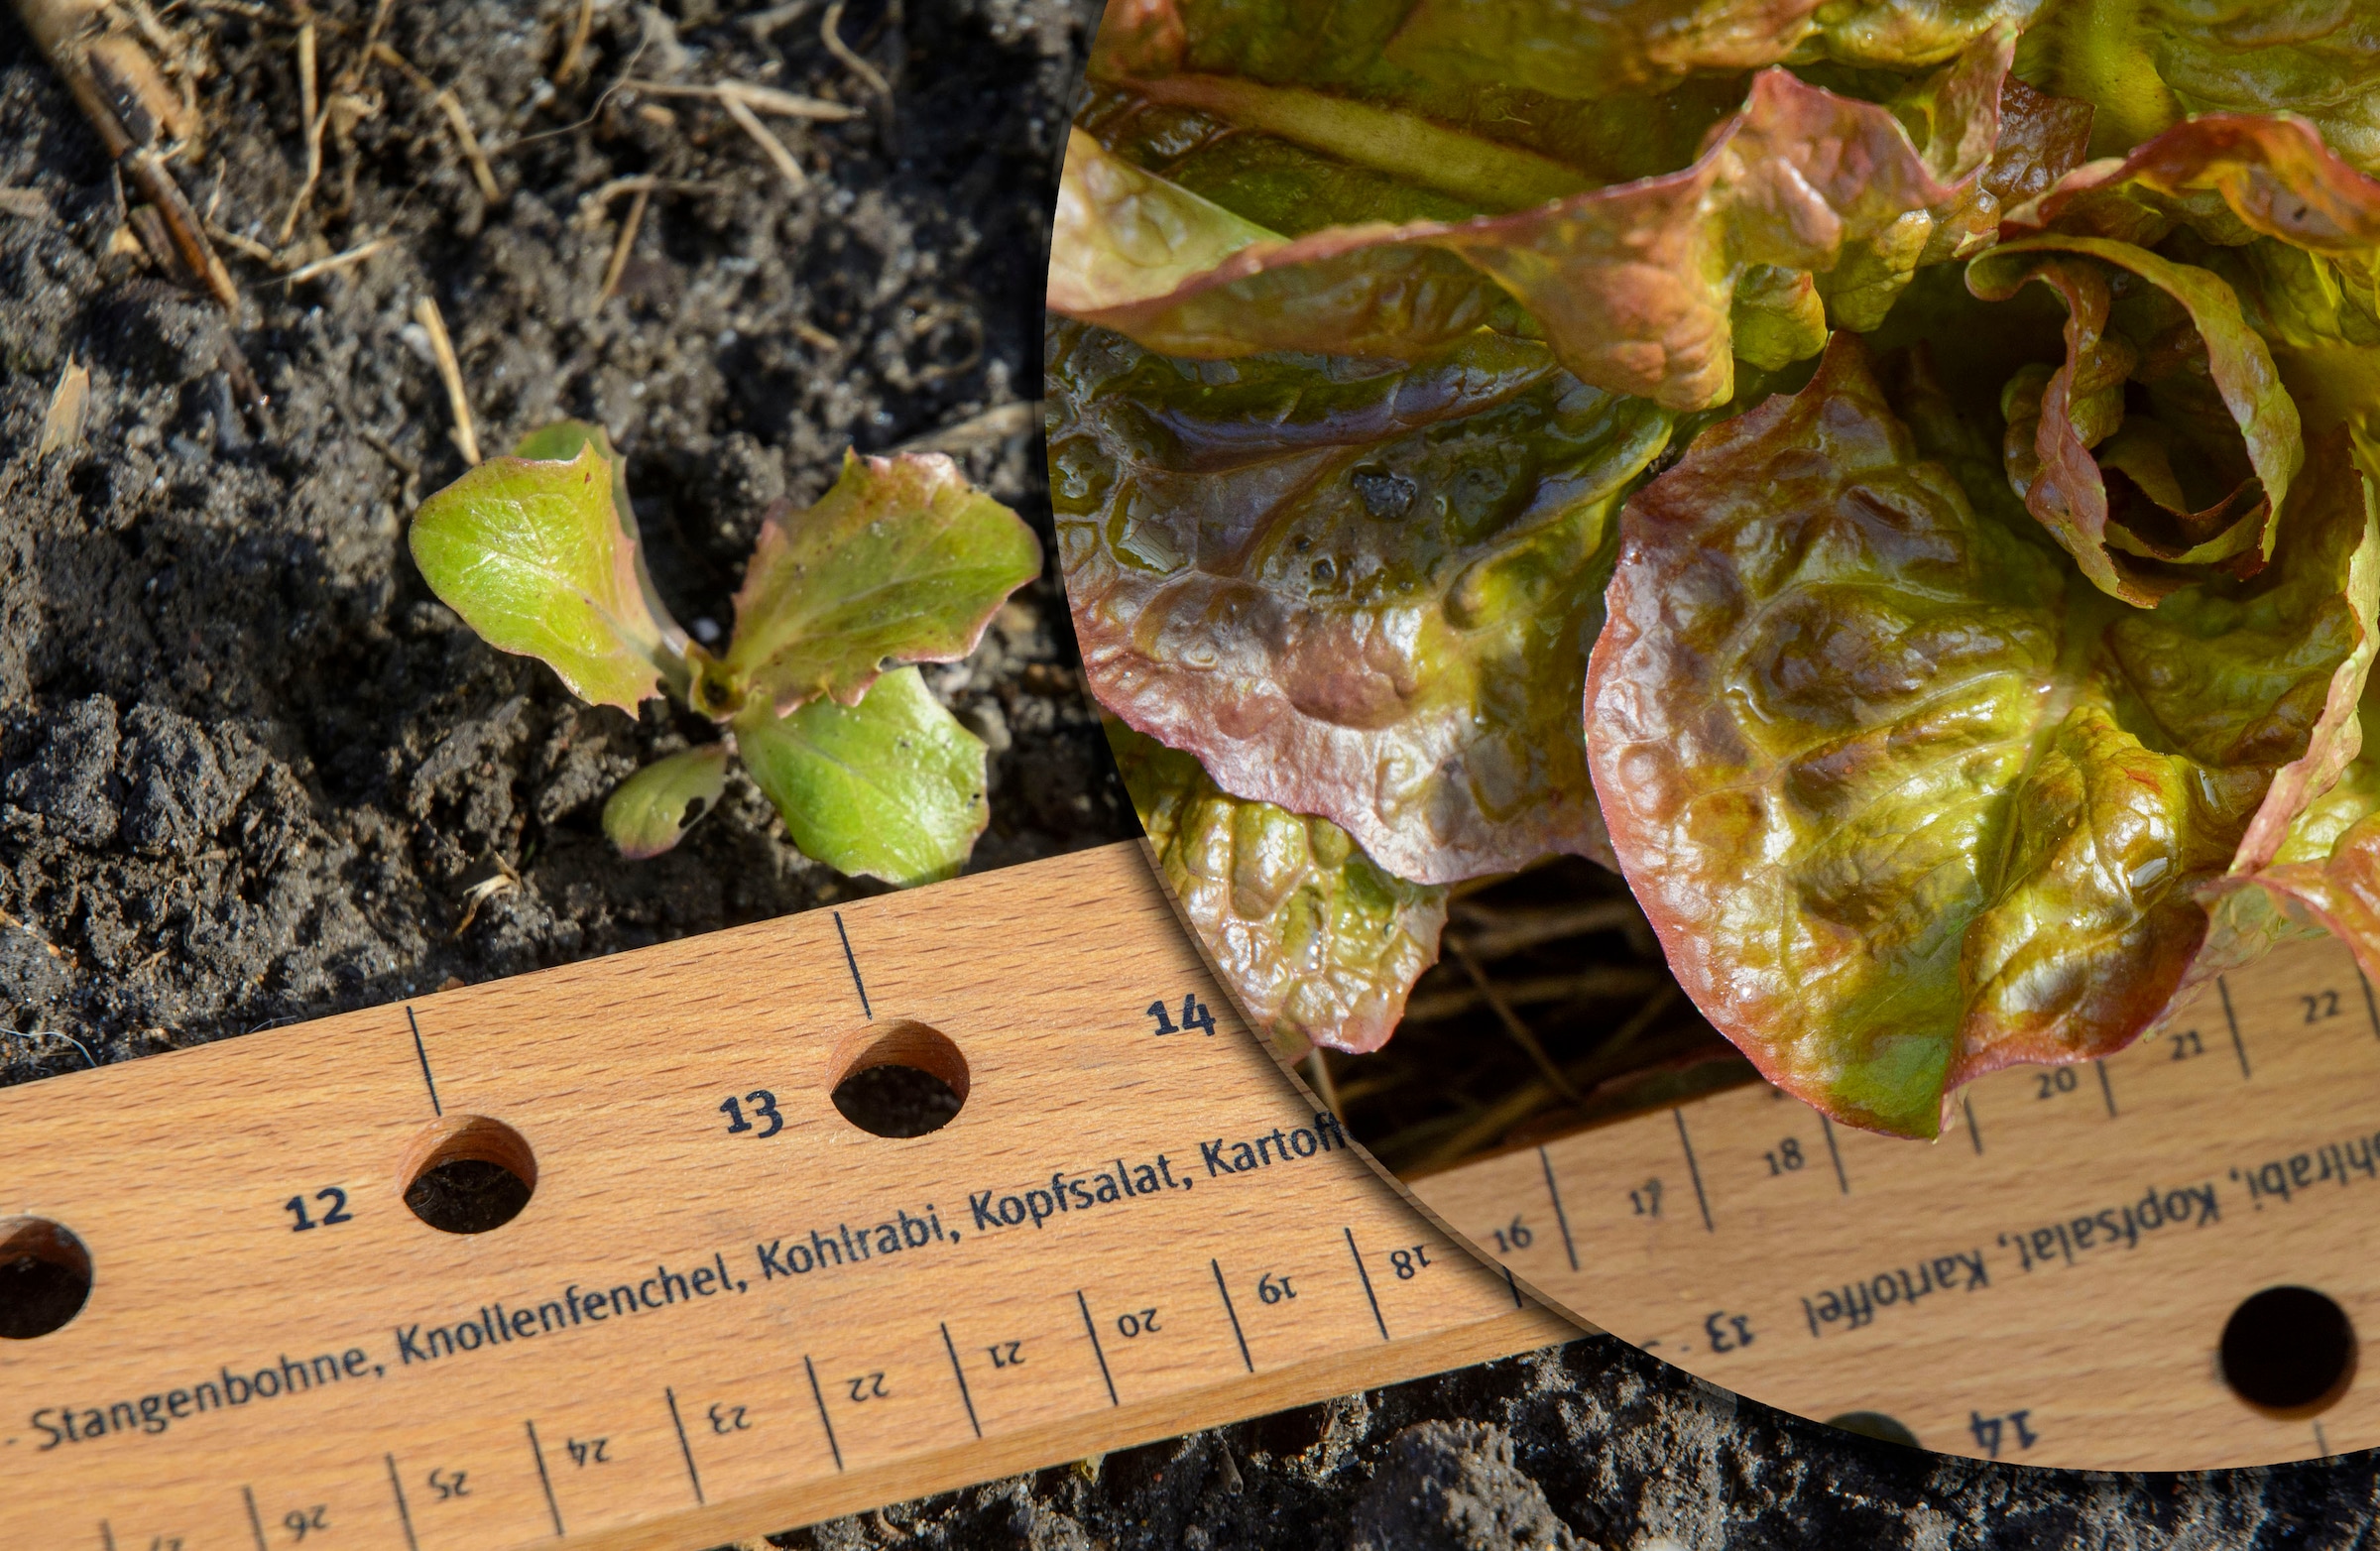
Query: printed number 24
1194	1016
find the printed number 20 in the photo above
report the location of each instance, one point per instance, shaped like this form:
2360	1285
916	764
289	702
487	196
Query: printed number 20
1194	1016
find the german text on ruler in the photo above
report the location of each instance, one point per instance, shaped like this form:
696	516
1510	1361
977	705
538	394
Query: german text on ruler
724	1309
2047	1283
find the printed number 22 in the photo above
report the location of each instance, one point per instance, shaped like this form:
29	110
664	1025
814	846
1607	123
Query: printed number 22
339	1213
1194	1016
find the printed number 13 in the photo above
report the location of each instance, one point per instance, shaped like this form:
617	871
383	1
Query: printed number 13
1194	1016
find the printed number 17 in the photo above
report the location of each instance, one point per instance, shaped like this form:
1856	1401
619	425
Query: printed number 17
1194	1016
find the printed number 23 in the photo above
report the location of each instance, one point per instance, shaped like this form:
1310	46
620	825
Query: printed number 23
1194	1016
764	1106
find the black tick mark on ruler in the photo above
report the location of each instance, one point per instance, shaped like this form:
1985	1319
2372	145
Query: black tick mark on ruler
952	1348
545	1479
685	1447
852	959
403	1517
1695	1170
2231	1019
420	1050
819	1395
1358	1256
1092	1329
255	1523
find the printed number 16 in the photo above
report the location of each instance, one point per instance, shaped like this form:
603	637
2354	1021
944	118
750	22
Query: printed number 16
1194	1016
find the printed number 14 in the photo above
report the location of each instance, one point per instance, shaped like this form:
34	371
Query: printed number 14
1194	1016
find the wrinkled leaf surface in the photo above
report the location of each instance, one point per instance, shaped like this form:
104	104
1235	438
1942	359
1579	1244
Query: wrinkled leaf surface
1638	287
1363	593
1319	944
538	558
891	787
901	561
1905	801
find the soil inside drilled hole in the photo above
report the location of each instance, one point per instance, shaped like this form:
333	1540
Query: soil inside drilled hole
892	1099
467	1196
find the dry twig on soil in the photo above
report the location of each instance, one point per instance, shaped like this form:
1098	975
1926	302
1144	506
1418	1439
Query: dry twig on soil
761	99
987	430
574	51
749	123
830	32
139	120
310	111
337	260
450	372
620	249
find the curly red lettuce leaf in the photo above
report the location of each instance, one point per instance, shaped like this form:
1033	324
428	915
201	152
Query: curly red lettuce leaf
1905	802
1358	590
2188	479
1639	288
2291	226
1317	942
2227	175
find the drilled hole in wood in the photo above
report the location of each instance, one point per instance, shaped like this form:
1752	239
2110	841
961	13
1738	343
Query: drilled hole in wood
1876	1425
468	1174
2290	1350
45	1277
900	1079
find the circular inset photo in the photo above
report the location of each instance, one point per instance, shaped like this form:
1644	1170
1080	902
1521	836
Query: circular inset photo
1745	639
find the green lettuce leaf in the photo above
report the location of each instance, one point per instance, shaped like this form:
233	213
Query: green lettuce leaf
652	810
1907	804
891	787
902	561
2152	64
1638	288
537	556
1318	943
2202	473
1361	591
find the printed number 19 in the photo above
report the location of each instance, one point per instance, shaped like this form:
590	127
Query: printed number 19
1194	1016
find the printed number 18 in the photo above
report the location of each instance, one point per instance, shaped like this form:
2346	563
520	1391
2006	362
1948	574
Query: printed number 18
1194	1016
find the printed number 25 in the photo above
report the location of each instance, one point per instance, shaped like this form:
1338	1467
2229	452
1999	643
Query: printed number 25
1194	1016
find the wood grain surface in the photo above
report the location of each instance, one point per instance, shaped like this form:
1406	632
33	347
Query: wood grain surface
693	1333
2050	1282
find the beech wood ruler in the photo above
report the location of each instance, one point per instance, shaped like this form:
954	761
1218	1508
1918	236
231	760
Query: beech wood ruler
2050	1282
724	1309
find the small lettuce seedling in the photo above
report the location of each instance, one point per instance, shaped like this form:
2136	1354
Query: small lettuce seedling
901	563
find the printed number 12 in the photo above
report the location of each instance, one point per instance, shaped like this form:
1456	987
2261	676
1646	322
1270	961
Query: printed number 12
1194	1016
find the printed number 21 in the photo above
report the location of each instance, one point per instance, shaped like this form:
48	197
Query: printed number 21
1194	1016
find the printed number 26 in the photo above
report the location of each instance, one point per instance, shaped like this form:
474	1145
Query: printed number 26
1194	1016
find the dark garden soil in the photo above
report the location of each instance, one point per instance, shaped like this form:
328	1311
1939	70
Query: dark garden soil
252	772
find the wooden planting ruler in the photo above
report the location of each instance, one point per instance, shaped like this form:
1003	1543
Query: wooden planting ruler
726	1309
2052	1283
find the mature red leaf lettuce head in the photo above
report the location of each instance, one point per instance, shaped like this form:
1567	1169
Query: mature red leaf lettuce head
1929	726
1908	800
